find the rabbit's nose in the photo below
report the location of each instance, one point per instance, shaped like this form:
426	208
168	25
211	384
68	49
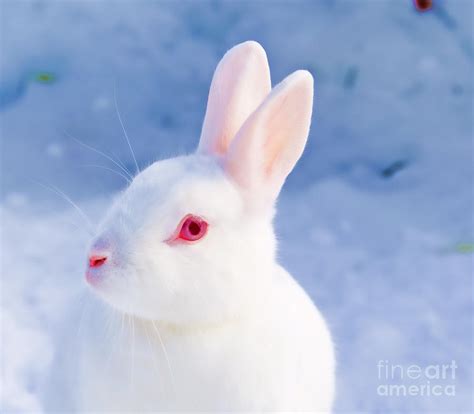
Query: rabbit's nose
97	260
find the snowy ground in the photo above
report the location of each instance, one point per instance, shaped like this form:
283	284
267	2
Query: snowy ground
376	222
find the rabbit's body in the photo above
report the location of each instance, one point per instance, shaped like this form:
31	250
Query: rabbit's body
186	257
278	356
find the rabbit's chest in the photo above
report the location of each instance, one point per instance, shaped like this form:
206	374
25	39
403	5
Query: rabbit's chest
280	359
155	372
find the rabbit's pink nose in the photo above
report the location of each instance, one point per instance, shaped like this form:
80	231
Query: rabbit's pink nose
97	261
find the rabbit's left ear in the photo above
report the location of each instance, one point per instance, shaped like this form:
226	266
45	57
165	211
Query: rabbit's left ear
272	139
239	85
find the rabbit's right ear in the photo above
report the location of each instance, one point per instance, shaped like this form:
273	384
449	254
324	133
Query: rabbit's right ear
272	140
240	84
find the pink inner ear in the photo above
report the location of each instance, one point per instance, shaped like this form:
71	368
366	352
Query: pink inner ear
272	139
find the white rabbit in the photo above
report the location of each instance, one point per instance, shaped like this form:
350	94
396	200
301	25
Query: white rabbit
205	318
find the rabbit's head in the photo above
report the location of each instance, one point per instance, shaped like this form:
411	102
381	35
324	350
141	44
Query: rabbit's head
191	239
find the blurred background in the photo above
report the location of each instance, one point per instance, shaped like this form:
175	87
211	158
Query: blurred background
383	195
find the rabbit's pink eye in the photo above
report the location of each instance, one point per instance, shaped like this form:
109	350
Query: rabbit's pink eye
192	228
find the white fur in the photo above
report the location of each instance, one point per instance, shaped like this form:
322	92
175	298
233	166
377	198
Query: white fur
216	325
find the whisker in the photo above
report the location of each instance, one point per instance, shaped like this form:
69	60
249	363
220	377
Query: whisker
103	167
166	355
119	160
84	302
58	192
132	350
131	330
122	331
78	227
112	335
153	354
97	151
83	305
124	131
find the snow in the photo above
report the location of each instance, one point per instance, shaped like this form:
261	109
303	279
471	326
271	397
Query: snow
376	221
